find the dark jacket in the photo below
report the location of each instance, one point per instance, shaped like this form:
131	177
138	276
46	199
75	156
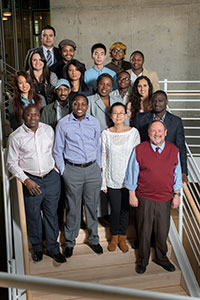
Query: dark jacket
175	132
123	66
49	115
58	68
57	56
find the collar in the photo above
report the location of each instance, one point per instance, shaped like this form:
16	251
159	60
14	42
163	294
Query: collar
72	117
120	62
27	129
162	119
97	70
160	147
26	101
45	49
58	104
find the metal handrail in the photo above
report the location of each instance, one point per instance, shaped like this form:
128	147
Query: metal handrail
187	220
81	289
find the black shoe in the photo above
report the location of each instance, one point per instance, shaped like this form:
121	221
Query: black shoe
83	225
37	256
169	267
59	258
68	252
140	269
97	248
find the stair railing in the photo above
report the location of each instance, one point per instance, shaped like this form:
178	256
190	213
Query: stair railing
189	211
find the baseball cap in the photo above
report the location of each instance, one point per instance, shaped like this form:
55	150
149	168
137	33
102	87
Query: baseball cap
62	81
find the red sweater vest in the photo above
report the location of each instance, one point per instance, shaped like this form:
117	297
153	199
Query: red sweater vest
156	175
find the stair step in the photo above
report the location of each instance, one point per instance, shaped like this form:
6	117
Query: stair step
103	232
177	290
112	268
122	275
84	257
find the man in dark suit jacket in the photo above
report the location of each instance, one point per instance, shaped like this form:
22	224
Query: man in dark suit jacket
48	36
175	131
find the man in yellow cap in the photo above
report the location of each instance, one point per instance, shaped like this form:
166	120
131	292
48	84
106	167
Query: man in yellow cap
117	52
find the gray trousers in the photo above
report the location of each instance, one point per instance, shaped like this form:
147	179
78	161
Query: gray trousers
81	183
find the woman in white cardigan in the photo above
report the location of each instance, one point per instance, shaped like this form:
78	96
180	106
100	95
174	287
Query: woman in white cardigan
118	142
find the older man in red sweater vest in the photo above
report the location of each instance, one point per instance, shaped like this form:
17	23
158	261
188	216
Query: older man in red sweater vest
154	181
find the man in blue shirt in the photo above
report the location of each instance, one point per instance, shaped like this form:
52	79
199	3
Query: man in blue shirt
78	158
98	52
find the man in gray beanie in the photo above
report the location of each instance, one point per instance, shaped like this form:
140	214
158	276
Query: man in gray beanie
67	50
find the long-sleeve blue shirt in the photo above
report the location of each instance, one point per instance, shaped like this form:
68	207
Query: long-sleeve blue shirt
133	171
77	141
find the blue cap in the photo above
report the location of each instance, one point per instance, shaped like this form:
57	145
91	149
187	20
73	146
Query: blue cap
62	81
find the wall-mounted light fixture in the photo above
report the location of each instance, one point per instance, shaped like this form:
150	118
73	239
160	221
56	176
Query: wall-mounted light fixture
7	14
5	18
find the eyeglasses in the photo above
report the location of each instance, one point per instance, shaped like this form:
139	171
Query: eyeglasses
118	50
120	114
124	78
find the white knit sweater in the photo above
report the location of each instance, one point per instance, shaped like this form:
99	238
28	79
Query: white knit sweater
116	151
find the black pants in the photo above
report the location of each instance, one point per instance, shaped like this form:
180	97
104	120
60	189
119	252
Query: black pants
48	202
153	217
119	218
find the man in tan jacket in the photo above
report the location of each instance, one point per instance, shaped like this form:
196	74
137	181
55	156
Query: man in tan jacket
137	61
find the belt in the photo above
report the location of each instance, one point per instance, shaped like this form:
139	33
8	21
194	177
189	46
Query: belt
40	177
80	165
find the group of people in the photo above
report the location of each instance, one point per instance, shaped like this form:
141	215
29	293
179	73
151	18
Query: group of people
78	132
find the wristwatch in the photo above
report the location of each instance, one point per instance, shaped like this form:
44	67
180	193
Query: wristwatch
178	193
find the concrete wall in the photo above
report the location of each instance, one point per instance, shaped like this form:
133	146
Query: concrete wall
167	32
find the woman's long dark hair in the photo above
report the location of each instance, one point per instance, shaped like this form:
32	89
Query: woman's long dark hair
81	68
135	97
45	77
18	105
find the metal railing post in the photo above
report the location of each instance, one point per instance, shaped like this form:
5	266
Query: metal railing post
180	216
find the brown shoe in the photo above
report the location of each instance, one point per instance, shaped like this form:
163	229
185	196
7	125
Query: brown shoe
113	243
122	243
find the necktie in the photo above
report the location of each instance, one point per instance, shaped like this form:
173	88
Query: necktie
157	148
49	58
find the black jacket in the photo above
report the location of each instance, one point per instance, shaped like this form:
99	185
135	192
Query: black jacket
57	56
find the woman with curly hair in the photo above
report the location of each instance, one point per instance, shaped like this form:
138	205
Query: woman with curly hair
140	98
24	94
44	80
74	73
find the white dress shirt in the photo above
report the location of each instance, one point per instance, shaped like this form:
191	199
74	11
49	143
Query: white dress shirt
31	151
